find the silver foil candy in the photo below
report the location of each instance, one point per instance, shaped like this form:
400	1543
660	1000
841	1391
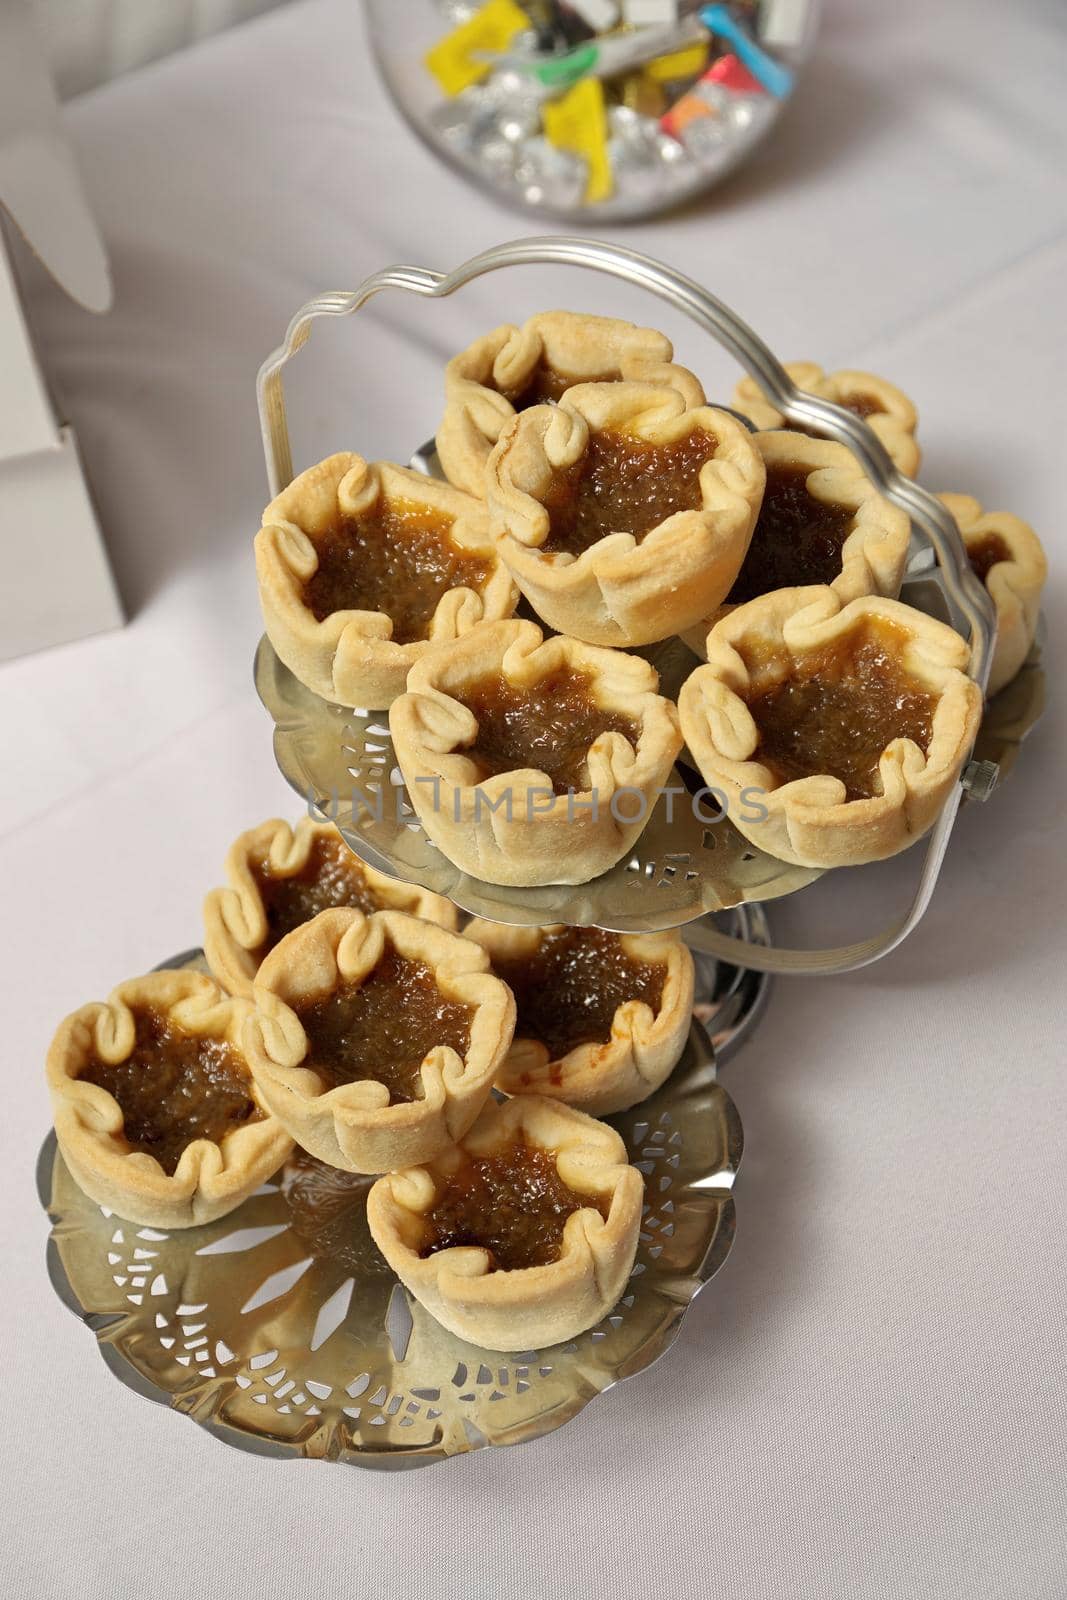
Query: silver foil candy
551	177
751	112
505	109
509	91
498	157
456	12
635	151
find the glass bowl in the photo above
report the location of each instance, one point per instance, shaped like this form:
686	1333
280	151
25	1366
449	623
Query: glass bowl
556	123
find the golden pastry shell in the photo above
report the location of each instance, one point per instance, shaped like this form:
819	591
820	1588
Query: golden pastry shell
211	1179
875	553
571	343
539	837
808	821
531	1306
645	1045
621	592
894	425
235	921
354	1126
1014	584
350	657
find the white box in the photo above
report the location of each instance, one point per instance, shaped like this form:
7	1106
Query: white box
55	581
62	588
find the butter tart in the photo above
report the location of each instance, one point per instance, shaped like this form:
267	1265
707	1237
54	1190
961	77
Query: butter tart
821	520
156	1112
885	409
1007	556
364	567
511	369
533	760
602	1018
279	877
521	1236
623	515
833	733
375	1039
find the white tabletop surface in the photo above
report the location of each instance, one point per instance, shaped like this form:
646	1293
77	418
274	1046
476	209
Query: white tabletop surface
871	1399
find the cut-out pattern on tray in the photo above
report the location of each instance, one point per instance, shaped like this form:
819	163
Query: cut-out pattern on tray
282	1327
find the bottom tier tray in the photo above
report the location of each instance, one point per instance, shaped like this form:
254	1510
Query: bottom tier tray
282	1331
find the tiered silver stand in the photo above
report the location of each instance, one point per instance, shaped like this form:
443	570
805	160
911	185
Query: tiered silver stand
280	1329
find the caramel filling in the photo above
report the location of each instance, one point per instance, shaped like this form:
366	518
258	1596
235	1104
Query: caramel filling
622	484
797	539
568	991
861	405
549	725
546	384
396	558
839	710
864	406
512	1203
330	877
383	1028
985	551
175	1087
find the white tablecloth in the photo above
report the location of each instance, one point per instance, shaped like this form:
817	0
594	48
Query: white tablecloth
871	1400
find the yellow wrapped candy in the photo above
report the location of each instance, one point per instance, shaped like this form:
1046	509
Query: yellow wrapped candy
578	122
454	60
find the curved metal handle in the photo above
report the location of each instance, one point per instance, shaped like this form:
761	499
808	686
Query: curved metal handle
970	605
967	597
703	936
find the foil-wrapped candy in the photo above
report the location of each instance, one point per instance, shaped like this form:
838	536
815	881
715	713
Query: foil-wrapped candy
498	127
551	177
457	12
635	148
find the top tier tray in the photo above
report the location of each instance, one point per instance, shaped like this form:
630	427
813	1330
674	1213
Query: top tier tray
686	864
